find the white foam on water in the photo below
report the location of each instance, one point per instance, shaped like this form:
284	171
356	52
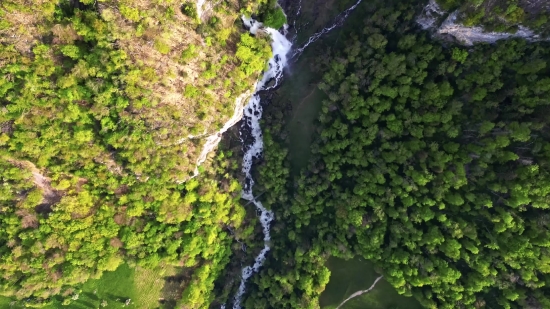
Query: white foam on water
200	4
338	22
252	24
280	46
214	139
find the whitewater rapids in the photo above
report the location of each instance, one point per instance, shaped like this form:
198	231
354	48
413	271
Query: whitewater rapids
280	46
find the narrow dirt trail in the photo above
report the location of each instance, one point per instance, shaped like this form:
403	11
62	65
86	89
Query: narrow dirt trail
49	195
301	103
358	293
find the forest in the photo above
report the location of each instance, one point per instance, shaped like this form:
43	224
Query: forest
429	159
501	16
99	109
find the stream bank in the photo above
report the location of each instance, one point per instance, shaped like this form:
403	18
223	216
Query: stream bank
291	114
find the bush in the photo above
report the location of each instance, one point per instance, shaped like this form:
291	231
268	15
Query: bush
190	10
191	91
129	12
459	55
189	53
274	18
162	47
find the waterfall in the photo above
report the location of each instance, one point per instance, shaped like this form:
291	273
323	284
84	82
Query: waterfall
214	139
251	126
338	22
281	47
200	4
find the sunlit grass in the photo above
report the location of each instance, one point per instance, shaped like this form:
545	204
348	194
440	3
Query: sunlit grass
143	287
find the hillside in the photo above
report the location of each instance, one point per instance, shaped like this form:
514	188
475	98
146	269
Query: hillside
417	154
262	154
105	108
502	16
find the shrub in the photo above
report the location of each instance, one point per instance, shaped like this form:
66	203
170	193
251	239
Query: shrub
189	53
190	10
129	12
274	18
459	55
162	47
191	91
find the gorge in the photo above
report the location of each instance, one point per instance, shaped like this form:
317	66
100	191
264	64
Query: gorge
274	154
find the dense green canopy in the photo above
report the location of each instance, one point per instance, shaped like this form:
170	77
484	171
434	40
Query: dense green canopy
432	161
95	164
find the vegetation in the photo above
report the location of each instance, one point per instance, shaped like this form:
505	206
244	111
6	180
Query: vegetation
127	286
429	162
350	276
274	18
501	16
95	154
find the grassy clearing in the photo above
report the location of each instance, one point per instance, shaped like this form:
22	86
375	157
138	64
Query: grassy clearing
348	277
302	127
144	287
113	288
5	302
300	85
150	283
300	89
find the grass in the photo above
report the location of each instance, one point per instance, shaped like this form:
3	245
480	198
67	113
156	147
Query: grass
113	287
5	302
144	287
149	285
318	14
302	127
300	88
348	277
300	85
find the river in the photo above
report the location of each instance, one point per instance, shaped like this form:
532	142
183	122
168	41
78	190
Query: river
299	87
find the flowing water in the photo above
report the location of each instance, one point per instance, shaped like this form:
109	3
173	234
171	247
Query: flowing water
430	15
200	4
251	137
214	139
337	22
251	133
281	46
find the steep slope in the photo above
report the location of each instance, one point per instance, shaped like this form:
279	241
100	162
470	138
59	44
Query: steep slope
487	21
104	111
501	16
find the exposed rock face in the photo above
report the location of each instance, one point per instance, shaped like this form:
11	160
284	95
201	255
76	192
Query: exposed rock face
433	18
471	35
430	15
